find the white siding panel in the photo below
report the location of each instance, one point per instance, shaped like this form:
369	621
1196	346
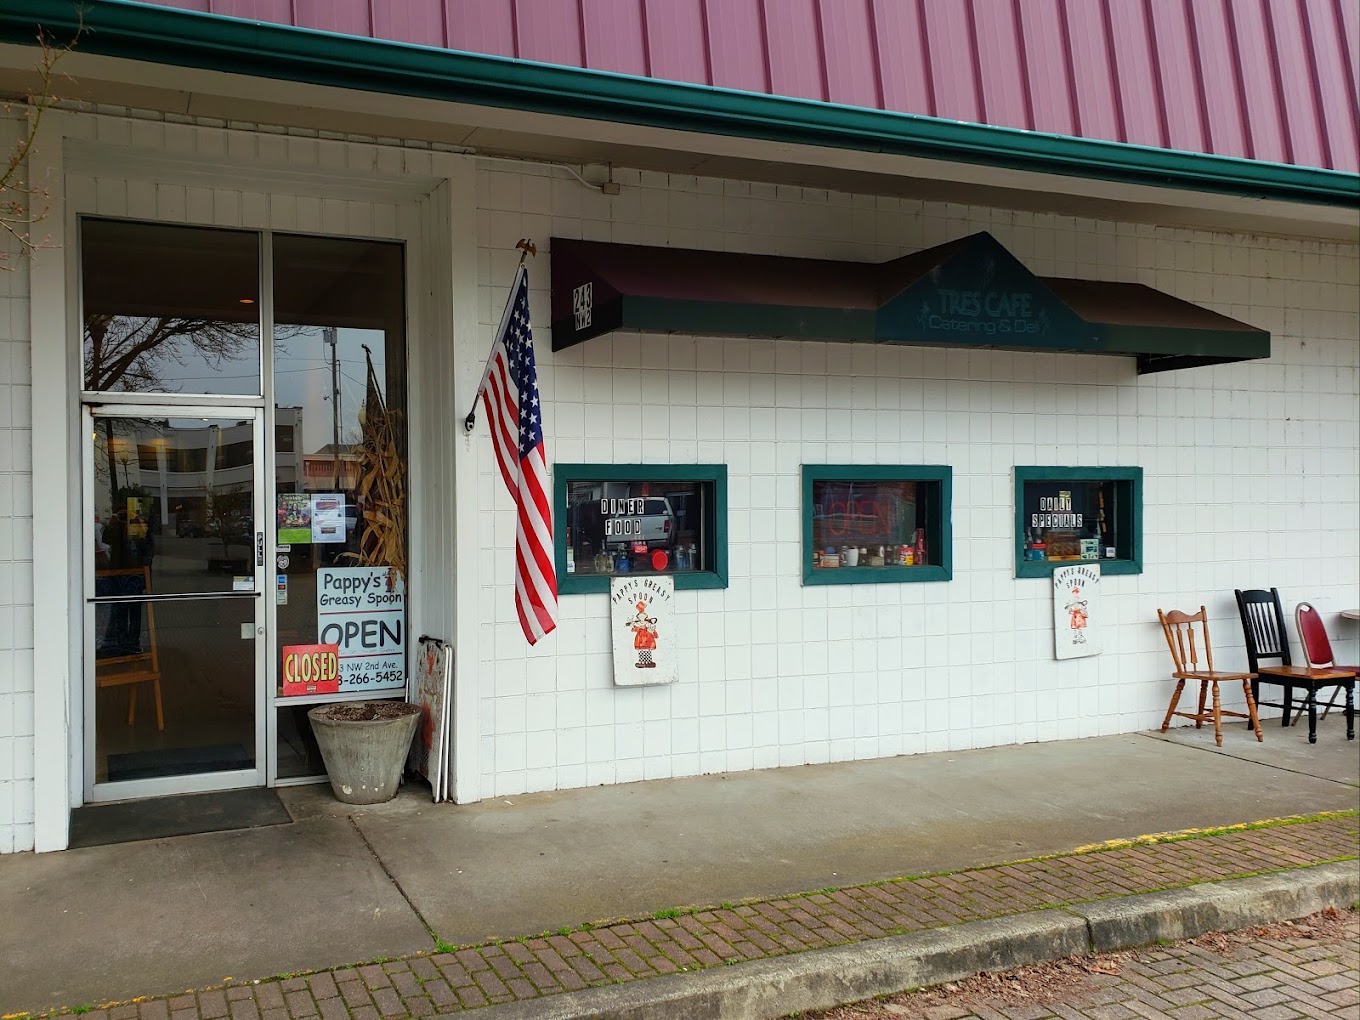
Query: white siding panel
1250	469
788	674
16	540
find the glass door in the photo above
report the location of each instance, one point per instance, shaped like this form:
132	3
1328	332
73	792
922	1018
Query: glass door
174	551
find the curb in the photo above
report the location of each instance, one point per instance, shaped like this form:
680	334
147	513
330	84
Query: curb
823	978
1177	914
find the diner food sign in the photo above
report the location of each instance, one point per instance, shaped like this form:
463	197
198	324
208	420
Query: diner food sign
643	629
1076	601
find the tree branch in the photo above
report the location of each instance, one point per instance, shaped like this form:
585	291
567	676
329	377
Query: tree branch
17	218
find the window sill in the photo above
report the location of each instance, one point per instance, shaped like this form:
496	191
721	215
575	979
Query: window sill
1045	568
585	584
874	575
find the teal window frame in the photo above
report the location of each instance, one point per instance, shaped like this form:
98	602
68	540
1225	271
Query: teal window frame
940	536
1128	519
582	584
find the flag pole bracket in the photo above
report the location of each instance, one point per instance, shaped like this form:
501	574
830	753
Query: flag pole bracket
525	247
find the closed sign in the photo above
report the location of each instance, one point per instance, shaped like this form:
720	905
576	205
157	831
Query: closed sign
310	669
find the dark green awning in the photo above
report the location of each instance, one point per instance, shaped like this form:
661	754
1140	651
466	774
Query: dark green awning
970	292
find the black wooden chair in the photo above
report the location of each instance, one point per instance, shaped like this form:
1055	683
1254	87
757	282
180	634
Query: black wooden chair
1266	638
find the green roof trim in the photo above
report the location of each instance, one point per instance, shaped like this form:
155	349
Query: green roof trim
137	31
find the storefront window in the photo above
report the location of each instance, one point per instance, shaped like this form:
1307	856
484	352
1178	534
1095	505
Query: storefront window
620	519
1066	515
876	524
169	309
340	476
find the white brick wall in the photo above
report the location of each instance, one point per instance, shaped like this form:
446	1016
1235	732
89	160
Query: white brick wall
1250	481
16	541
1250	473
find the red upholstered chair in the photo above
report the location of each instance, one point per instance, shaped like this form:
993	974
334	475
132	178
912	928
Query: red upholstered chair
1317	649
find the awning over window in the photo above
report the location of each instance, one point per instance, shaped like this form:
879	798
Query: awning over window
970	292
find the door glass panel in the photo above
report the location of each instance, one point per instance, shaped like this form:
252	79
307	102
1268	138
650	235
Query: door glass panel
340	402
174	682
169	309
175	496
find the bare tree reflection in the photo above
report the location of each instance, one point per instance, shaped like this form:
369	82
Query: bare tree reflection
228	512
138	354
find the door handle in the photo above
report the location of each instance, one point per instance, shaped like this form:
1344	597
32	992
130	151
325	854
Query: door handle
259	548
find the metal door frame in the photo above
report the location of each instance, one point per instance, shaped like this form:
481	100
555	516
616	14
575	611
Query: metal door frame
262	464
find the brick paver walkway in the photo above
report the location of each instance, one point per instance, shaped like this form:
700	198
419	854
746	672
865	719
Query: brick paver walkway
1244	978
551	963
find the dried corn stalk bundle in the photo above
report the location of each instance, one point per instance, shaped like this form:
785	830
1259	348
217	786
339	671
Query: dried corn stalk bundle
381	492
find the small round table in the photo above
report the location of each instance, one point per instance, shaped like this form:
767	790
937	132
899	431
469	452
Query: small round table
1351	614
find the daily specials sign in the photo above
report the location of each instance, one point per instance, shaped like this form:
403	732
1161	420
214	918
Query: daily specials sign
1076	600
641	620
362	611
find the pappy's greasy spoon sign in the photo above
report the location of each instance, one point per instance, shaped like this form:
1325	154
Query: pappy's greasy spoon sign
362	611
1076	617
640	617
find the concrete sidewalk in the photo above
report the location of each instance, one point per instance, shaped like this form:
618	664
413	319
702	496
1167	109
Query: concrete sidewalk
110	923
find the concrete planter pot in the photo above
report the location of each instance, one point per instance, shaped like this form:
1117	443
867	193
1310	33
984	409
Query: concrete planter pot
364	756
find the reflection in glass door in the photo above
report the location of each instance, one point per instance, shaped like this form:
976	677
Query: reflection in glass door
339	395
174	632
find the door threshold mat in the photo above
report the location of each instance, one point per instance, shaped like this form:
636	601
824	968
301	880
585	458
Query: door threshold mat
157	817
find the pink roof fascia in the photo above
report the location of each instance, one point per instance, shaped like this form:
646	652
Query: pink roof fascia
1272	80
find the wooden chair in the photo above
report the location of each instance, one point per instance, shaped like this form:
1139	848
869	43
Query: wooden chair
1317	649
130	669
1179	629
1266	638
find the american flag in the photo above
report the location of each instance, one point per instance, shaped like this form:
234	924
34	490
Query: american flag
509	392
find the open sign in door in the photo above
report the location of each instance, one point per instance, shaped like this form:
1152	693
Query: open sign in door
362	610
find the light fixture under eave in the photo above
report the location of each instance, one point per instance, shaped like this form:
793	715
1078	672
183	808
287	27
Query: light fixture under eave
245	301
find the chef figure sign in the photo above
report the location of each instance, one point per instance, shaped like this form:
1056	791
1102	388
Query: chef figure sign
644	636
1076	596
1077	616
644	649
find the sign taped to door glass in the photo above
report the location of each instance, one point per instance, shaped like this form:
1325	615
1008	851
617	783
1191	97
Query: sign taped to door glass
294	519
328	517
310	669
362	610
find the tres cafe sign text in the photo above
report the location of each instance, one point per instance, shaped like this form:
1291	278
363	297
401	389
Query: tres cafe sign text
985	311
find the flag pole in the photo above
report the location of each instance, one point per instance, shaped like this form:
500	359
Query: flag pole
526	248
